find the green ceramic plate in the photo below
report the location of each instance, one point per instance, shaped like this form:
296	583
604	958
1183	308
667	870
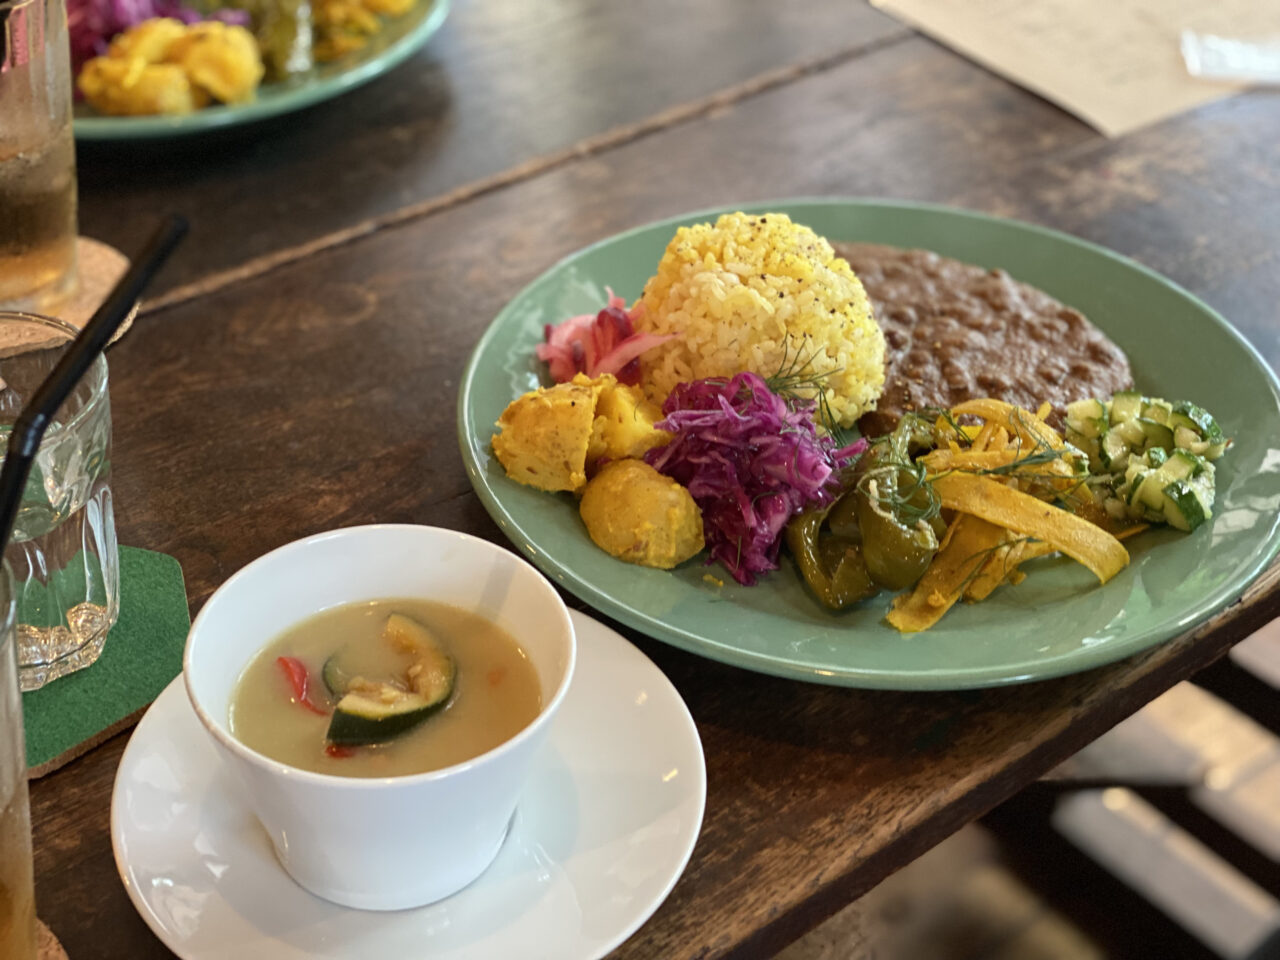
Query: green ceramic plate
401	37
1059	620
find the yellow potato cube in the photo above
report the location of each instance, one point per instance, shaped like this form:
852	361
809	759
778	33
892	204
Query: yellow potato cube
544	435
636	514
133	87
148	41
221	59
628	429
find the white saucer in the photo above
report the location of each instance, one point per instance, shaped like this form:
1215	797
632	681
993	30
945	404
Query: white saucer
607	823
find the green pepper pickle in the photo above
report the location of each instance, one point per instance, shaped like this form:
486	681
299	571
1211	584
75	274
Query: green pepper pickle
896	555
862	542
837	577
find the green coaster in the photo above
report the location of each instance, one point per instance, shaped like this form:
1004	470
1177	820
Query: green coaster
143	652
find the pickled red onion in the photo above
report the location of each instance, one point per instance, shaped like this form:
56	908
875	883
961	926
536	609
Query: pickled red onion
605	342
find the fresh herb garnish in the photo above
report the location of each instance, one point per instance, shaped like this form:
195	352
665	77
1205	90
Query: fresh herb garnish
796	379
986	554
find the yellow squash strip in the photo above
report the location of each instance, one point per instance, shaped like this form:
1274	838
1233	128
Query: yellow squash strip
945	429
1021	422
1004	563
939	461
1022	513
968	544
993	572
1007	570
1030	550
983	439
1057	472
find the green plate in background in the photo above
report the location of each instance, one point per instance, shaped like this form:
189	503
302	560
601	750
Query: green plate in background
1059	620
392	45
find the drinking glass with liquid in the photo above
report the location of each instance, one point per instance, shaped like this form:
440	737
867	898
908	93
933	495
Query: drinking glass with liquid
17	895
37	157
63	553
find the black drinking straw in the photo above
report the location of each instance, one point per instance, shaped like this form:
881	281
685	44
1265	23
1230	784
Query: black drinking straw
29	428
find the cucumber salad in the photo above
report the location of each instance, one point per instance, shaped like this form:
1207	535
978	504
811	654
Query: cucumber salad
1150	460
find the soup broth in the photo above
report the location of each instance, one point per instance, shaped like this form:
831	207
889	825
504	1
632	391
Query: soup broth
385	688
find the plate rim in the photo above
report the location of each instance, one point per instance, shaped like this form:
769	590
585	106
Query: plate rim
142	908
948	679
306	94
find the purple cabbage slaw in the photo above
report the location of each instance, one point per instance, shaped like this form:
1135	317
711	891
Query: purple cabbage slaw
751	460
92	23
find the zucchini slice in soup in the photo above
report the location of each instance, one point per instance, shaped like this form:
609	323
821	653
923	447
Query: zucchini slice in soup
433	671
335	678
377	711
365	718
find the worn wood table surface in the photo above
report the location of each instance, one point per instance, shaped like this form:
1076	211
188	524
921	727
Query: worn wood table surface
298	372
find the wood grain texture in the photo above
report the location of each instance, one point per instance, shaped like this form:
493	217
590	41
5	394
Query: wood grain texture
322	395
503	83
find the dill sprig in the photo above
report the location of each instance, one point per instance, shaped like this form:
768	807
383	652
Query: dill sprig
898	487
1041	454
797	379
901	482
985	554
932	414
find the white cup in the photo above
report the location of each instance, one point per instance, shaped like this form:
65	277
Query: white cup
396	842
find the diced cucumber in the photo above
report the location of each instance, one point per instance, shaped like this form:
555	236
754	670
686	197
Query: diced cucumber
1188	504
1197	418
1132	432
1092	409
1079	459
1157	435
1181	465
1150	491
1113	451
1125	406
1089	427
1152	460
1185	437
1086	445
1133	474
1156	409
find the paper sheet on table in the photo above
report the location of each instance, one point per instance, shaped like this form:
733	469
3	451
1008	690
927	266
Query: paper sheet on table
1116	64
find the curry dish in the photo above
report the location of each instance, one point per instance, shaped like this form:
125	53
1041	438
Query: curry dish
998	425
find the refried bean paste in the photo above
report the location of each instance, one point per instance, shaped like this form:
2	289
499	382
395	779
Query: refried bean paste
955	331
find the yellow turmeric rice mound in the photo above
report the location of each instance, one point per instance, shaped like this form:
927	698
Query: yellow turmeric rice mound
761	293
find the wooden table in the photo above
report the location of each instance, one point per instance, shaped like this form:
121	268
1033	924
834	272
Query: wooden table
298	370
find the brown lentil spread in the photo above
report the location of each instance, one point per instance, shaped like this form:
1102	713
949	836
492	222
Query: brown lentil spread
955	331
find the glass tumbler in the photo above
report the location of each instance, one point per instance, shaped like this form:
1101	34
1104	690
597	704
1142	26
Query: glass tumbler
63	554
17	896
37	157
